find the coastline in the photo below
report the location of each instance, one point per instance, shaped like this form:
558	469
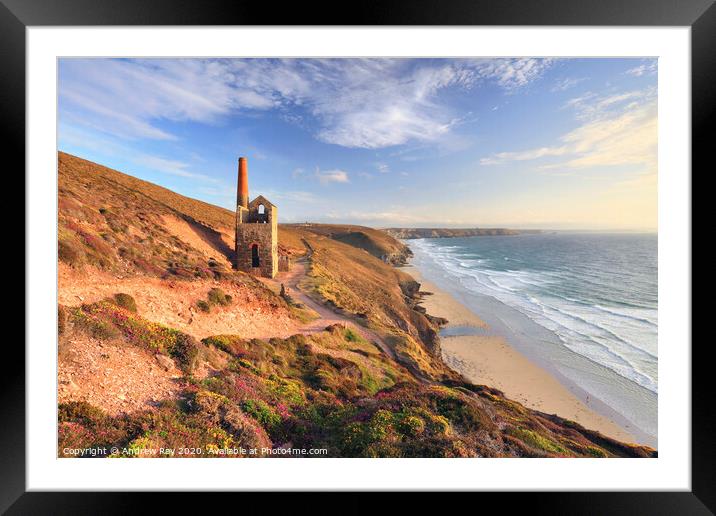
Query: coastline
487	358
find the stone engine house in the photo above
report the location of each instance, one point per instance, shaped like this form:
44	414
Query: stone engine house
256	230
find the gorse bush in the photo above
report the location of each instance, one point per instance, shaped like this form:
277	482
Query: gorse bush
261	412
185	350
537	441
125	301
96	327
352	336
217	296
229	343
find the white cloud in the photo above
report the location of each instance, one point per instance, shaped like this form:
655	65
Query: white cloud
643	69
567	83
168	166
502	157
382	168
591	106
619	129
513	73
332	176
128	98
77	137
364	103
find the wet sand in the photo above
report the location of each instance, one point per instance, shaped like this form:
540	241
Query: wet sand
488	359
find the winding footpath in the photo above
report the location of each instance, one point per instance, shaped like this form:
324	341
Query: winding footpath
327	317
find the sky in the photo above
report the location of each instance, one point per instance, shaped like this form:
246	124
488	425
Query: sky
508	142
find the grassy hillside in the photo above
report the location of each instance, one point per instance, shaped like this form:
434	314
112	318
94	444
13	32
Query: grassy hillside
115	222
377	243
326	388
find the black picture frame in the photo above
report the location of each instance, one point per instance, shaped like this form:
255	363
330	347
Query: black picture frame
700	15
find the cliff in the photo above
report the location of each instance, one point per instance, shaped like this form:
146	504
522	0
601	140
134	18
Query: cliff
408	233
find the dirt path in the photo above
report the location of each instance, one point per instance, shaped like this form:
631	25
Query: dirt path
291	279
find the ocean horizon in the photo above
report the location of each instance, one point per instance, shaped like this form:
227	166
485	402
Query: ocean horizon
583	305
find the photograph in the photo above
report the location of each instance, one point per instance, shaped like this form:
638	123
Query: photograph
346	257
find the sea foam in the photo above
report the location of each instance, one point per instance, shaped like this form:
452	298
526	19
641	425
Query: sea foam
558	292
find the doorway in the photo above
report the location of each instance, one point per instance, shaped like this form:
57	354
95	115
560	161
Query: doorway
255	262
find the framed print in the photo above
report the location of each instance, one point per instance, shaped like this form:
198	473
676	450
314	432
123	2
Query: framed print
432	248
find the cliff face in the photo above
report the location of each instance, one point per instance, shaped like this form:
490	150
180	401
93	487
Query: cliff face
408	233
222	360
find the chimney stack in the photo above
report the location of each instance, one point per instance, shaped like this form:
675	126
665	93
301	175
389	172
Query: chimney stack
242	190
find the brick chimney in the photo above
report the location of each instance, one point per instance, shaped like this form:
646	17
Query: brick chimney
242	190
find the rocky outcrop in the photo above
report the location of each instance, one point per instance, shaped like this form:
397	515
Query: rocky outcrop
398	258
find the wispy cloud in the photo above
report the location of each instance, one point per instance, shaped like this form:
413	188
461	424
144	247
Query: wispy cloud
383	168
512	74
541	152
619	129
87	140
361	103
168	166
643	69
130	98
331	176
592	105
566	83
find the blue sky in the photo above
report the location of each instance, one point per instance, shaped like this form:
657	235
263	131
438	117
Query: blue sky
524	142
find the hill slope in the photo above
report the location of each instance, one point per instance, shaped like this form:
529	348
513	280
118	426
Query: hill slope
222	360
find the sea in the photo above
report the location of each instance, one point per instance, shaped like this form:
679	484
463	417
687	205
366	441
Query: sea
582	305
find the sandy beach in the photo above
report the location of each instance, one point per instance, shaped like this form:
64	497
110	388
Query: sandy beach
489	359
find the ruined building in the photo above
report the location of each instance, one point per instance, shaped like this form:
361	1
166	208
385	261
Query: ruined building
256	230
